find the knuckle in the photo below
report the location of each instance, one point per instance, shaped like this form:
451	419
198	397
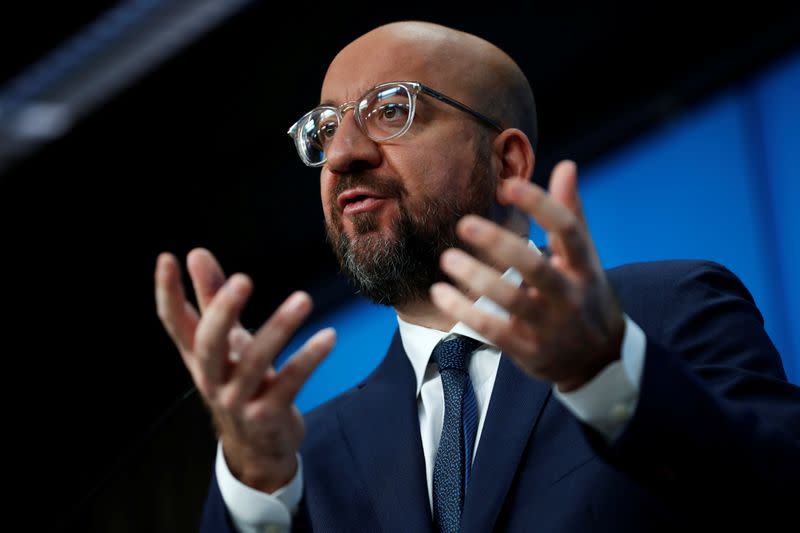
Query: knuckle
572	229
482	323
281	320
491	235
534	198
225	305
261	412
252	363
291	370
538	267
468	269
519	300
572	303
203	345
227	401
484	285
252	413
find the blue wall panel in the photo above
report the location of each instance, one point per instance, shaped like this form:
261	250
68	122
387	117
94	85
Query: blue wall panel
777	98
363	331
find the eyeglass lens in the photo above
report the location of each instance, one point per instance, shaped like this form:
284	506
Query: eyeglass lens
383	113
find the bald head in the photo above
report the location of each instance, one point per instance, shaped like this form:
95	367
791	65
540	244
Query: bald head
459	64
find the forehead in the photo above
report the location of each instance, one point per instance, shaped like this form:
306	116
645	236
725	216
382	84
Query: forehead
364	64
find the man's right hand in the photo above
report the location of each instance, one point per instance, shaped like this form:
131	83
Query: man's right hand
252	405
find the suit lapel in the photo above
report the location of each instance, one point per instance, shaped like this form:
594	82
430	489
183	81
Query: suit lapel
381	427
514	409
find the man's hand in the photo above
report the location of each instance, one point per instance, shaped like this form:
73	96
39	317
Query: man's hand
565	324
251	404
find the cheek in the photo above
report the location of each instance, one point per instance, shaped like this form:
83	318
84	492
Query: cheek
440	170
448	174
325	188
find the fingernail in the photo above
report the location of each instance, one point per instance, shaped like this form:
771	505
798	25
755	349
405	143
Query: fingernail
472	227
438	291
161	266
296	302
515	187
452	258
234	285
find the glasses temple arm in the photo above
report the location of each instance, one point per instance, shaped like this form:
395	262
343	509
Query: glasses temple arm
458	105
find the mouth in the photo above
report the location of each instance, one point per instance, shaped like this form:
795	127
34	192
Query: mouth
353	201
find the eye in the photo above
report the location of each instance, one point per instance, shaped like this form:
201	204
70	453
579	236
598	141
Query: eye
393	113
325	132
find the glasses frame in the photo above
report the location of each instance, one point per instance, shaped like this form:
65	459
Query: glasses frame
412	87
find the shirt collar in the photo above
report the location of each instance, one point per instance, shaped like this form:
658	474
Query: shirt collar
419	341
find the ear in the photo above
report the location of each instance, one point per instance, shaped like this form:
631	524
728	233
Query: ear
515	153
513	150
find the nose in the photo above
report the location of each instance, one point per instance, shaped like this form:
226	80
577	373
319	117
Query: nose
350	149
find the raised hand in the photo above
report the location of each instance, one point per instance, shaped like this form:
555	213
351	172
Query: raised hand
252	405
565	324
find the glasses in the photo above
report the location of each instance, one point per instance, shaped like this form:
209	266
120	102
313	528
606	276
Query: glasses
385	112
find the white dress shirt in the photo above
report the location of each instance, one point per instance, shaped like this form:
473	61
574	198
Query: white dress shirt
606	403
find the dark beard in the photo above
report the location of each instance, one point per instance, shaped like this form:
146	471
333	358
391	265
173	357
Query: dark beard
400	269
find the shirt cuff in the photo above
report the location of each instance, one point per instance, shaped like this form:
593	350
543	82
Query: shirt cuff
253	511
608	401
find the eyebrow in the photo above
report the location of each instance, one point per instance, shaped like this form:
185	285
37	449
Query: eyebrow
331	103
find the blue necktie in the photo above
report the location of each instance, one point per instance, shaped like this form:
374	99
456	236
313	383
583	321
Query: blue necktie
454	457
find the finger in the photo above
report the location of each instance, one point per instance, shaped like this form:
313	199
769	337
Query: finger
564	188
569	237
478	278
505	249
207	275
178	316
293	375
238	340
508	334
211	340
267	343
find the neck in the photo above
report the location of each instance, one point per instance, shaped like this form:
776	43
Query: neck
424	313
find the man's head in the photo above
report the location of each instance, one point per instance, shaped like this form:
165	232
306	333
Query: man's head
391	205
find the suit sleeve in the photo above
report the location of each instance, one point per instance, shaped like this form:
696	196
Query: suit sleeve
716	421
215	515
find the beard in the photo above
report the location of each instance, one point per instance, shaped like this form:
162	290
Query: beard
399	268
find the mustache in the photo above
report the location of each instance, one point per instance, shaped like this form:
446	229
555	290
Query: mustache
388	187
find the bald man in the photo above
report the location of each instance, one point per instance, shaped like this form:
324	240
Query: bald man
643	398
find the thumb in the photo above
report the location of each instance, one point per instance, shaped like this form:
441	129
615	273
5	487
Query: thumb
564	188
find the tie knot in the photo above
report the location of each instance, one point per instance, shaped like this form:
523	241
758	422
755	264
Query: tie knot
452	354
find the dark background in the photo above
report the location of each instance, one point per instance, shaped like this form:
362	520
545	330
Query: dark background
195	154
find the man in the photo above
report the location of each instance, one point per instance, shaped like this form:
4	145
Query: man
631	400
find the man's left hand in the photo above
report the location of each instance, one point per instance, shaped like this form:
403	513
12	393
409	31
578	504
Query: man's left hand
565	324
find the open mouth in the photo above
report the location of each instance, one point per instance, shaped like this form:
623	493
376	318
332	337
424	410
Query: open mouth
355	201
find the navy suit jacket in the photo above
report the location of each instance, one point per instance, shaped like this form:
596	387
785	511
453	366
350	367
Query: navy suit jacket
714	441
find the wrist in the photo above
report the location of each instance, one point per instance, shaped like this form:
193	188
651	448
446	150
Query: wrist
596	364
263	474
